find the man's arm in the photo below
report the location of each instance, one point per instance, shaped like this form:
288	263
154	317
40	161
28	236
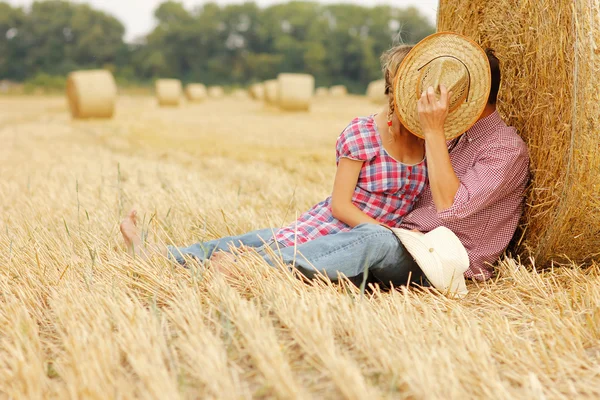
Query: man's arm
442	179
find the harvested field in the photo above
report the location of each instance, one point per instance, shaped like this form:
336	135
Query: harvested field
79	318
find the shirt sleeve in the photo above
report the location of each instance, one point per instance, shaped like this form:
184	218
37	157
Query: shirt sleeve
501	168
358	142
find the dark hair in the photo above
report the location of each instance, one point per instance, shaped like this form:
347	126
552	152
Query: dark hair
496	76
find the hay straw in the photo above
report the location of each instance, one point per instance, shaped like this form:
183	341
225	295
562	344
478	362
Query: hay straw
168	92
295	91
195	92
91	94
338	91
551	94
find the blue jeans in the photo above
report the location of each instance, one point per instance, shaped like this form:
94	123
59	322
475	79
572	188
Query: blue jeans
367	246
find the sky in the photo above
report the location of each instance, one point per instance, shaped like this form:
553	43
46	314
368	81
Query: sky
138	15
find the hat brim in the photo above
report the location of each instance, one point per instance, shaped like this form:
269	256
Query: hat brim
447	276
437	45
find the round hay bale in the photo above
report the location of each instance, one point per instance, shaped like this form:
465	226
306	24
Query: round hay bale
91	94
376	92
271	91
257	91
195	92
322	92
295	91
216	92
338	91
551	95
239	94
168	92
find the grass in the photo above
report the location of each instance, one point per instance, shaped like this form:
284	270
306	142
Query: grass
81	319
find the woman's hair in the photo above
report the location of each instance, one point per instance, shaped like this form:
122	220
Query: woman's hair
390	62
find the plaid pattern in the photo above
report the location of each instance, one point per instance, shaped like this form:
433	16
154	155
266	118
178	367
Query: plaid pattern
386	189
492	163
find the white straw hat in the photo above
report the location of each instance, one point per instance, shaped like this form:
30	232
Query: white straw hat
441	256
450	59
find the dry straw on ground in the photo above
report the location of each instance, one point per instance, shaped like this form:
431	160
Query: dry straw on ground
376	92
551	93
216	92
81	319
195	92
168	92
91	94
295	91
271	91
338	91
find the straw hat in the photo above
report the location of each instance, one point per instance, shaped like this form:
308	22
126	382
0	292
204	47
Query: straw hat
450	59
441	256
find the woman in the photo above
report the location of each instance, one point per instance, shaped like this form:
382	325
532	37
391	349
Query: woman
381	171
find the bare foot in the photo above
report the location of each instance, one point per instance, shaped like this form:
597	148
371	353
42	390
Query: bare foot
131	235
221	263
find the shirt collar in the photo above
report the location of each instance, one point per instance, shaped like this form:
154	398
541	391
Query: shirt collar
484	126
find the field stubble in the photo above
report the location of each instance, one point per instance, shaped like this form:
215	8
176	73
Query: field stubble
81	319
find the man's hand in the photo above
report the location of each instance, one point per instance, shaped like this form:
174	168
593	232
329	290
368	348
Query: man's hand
433	112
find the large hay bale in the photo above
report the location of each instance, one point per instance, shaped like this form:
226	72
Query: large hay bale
257	91
168	92
195	92
91	94
376	92
338	91
551	94
271	91
216	92
295	91
322	92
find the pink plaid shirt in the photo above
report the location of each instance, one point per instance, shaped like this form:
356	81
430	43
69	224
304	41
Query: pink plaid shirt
386	189
492	163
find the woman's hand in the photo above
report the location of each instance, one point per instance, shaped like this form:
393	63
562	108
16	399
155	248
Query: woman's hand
433	112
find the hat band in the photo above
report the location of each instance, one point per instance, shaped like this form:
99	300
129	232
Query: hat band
460	61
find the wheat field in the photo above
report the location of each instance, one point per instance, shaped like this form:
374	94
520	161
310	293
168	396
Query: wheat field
81	319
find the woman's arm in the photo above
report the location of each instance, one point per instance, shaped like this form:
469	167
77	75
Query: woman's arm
344	185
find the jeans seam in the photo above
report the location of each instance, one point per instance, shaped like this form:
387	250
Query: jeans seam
363	239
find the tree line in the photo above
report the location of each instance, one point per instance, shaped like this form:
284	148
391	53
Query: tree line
230	45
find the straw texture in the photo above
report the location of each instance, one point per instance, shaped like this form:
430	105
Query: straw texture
168	92
195	92
338	91
295	91
550	63
91	94
376	92
216	92
271	91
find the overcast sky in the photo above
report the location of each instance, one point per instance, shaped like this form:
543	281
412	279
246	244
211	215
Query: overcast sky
137	15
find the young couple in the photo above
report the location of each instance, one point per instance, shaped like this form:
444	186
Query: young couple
432	187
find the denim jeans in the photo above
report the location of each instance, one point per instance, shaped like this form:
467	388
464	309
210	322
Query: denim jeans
367	246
